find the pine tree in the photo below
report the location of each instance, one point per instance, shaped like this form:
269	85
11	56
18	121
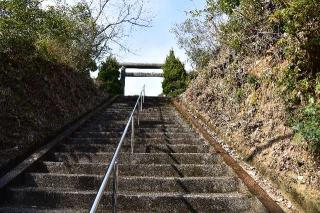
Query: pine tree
174	82
109	75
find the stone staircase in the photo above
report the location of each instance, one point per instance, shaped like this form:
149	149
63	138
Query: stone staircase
172	168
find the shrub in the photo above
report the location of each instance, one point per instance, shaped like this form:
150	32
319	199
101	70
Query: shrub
174	82
307	123
109	75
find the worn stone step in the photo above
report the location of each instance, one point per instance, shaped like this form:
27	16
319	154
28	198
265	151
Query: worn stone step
137	140
14	209
166	170
143	123
125	117
154	118
121	125
148	113
137	158
103	134
138	148
143	202
135	184
146	110
139	129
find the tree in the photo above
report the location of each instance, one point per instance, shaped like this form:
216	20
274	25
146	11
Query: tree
174	82
76	34
109	76
198	35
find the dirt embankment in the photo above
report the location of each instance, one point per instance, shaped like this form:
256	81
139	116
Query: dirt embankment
242	100
37	98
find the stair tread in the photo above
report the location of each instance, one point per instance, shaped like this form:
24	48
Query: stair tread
135	177
172	169
128	193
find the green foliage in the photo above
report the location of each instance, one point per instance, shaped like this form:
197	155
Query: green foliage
225	6
307	123
301	23
191	76
59	34
109	75
253	80
174	82
239	94
249	28
19	22
197	38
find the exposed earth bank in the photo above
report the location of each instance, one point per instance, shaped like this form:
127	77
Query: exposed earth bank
37	98
246	110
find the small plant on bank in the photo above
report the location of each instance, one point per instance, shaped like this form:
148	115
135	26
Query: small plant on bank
175	76
307	124
109	76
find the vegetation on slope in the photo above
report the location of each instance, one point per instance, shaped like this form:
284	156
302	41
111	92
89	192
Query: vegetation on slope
75	35
257	83
287	28
46	54
37	98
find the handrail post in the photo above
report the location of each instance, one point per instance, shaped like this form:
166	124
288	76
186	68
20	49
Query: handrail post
141	102
138	116
132	134
115	187
144	92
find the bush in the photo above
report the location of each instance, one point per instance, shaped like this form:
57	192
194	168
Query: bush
307	124
174	82
109	75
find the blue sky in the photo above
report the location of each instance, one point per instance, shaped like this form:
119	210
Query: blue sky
151	45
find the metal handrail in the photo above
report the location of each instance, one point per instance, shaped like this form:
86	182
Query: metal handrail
113	166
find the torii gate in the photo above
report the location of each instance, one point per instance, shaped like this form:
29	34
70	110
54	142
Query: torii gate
124	74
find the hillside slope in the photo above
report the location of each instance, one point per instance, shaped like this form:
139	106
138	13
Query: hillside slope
242	101
37	98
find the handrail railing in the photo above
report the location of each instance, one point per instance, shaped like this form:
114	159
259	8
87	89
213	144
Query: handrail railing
113	166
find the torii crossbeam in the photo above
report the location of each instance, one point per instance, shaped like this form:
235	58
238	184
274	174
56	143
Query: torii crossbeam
124	74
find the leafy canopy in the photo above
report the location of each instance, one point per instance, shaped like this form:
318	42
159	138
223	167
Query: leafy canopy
75	34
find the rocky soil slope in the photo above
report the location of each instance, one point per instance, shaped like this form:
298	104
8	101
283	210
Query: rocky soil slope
246	109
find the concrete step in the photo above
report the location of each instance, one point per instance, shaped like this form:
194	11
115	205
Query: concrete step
137	158
148	113
145	109
137	141
134	183
139	129
158	170
143	148
102	134
14	209
121	125
125	117
171	170
143	202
